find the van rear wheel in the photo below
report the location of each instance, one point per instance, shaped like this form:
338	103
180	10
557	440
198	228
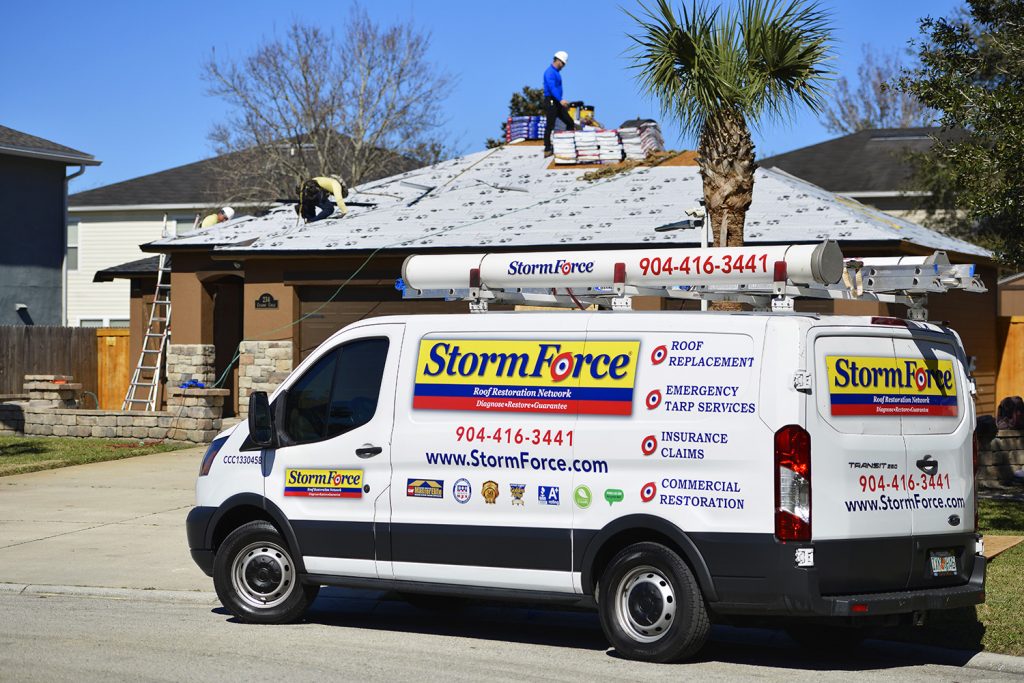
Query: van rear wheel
256	578
650	605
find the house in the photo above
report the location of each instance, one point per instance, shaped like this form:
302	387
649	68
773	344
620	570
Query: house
271	289
871	166
33	206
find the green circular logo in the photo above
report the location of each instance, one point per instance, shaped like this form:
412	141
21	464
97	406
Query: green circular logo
582	497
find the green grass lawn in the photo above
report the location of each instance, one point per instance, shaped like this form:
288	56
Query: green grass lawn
28	454
997	625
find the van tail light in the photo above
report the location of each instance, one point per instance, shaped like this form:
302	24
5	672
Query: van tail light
792	484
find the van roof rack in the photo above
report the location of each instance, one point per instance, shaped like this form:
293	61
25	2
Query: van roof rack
769	278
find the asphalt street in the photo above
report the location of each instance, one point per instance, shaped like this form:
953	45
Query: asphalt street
366	636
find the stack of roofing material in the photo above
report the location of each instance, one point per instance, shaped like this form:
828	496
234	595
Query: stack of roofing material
650	138
564	144
631	143
609	147
587	151
525	127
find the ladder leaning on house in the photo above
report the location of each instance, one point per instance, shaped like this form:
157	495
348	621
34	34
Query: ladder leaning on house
145	382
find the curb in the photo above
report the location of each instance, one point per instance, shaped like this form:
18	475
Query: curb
986	661
191	597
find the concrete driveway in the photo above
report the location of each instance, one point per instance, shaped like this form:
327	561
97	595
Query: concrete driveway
117	524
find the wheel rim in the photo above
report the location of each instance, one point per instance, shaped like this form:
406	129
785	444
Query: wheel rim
263	575
645	604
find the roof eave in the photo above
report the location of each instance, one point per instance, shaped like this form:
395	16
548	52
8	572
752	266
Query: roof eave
67	159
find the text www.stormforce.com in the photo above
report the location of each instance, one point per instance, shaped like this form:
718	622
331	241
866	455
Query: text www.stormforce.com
914	502
523	461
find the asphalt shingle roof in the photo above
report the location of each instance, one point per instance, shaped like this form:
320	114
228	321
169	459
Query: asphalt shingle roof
16	143
507	198
873	160
141	267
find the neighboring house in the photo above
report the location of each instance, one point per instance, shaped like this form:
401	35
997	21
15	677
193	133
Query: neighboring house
33	204
273	289
870	166
112	221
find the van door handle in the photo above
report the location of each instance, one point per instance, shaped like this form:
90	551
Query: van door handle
369	451
928	465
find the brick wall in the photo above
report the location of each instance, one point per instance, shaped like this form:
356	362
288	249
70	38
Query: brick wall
262	365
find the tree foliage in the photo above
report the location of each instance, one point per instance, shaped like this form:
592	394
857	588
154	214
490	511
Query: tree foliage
362	103
527	102
972	72
720	71
874	102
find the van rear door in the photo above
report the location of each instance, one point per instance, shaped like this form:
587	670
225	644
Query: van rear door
938	431
862	537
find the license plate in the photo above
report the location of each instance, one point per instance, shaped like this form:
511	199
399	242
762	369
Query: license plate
943	562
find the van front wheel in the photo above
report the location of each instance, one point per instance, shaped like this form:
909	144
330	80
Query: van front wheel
650	605
256	578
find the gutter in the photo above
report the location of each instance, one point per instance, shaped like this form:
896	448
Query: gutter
71	160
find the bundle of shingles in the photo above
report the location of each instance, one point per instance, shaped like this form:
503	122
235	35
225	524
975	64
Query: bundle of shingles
650	138
639	141
609	147
631	144
524	127
564	144
587	151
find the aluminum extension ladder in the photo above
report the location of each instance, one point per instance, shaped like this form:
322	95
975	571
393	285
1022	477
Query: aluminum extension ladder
145	382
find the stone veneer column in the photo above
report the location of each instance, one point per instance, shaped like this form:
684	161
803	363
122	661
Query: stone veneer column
195	414
262	365
190	361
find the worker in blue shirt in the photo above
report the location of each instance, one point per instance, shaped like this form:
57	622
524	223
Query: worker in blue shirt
554	105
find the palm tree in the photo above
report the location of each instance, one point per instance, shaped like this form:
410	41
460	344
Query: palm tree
716	71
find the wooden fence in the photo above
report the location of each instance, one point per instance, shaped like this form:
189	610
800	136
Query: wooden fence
39	350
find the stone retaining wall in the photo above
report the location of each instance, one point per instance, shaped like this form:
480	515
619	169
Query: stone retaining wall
262	365
193	416
999	459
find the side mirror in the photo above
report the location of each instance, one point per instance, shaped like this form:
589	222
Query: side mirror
261	422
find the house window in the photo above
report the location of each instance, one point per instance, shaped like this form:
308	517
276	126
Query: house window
118	322
91	322
72	246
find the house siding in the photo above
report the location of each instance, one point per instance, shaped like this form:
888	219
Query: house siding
106	240
32	226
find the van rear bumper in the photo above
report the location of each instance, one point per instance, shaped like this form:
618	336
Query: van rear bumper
755	575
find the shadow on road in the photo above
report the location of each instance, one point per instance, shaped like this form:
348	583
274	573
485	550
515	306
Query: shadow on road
559	627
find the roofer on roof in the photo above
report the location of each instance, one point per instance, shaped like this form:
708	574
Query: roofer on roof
314	203
224	214
554	105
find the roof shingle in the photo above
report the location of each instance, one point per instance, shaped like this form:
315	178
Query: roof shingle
16	143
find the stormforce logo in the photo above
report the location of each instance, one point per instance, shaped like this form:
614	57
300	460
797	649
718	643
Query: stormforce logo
915	502
523	461
557	267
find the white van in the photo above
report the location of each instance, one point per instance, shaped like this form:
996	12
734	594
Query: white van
672	469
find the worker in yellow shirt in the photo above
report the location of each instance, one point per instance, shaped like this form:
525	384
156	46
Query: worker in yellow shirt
224	214
314	198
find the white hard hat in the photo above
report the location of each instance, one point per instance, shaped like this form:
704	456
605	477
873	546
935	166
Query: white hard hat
562	56
229	212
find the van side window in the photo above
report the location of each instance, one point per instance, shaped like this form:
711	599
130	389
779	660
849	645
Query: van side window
357	379
308	399
338	394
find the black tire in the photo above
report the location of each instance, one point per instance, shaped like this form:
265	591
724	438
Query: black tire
257	579
650	605
827	638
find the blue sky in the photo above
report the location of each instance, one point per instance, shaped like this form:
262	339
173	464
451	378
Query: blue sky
120	80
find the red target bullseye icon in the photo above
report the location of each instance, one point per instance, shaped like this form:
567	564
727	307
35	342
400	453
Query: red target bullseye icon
566	268
561	366
921	379
648	491
649	444
658	355
337	480
653	399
